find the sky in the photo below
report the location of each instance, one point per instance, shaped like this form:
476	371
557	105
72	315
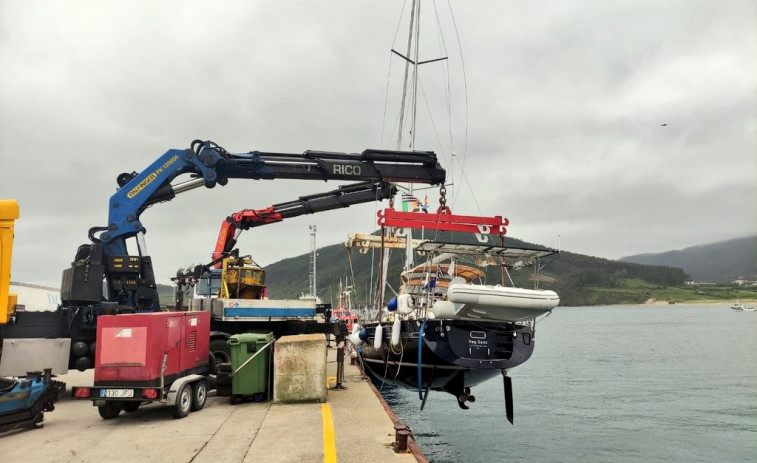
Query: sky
605	128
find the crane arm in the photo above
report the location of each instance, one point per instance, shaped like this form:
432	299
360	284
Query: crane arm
344	196
210	165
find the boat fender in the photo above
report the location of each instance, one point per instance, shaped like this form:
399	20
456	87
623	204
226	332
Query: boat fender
355	328
354	338
444	309
404	304
378	337
363	334
392	305
396	328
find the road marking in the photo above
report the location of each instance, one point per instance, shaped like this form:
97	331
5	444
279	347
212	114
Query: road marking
329	446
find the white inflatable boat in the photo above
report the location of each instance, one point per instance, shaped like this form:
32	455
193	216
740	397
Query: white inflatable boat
494	303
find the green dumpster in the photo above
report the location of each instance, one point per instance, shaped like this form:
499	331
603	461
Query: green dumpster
250	354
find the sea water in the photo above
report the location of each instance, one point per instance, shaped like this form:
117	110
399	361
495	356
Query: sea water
609	384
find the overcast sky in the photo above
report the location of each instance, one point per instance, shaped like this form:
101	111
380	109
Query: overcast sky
557	121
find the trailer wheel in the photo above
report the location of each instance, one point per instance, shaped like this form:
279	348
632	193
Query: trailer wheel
220	350
183	401
110	410
199	394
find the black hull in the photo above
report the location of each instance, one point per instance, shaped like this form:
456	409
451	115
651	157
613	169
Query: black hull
455	354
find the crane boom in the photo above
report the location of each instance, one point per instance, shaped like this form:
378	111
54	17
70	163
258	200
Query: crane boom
342	197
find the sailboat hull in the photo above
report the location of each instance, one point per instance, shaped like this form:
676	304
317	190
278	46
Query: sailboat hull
453	353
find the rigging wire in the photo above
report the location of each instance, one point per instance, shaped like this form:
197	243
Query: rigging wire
389	73
467	106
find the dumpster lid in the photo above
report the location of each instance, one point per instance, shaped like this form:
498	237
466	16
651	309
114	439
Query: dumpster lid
247	338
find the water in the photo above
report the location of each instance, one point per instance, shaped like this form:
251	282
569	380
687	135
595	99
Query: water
619	383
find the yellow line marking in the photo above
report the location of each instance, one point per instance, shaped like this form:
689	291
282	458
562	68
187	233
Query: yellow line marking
329	445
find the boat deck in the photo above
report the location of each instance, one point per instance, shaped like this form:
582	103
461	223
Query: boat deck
355	425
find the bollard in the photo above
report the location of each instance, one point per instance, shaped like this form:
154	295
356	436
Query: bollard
401	440
401	433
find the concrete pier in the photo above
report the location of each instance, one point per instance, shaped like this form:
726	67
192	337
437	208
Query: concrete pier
353	425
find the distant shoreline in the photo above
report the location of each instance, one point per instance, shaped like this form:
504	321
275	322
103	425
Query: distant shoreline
699	302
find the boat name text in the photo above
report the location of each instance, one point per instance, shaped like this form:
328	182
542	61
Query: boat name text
477	342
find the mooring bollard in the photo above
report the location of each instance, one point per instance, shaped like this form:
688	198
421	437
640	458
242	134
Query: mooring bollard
401	433
402	436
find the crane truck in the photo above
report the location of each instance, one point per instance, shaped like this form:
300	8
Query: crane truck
104	279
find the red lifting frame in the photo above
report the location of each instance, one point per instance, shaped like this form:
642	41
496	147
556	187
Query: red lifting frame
443	220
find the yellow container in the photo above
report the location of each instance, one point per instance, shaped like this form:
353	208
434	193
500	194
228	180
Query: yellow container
8	216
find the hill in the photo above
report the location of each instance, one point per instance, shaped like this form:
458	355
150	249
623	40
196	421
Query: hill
720	262
579	279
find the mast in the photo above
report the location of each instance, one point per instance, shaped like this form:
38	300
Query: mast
313	254
413	47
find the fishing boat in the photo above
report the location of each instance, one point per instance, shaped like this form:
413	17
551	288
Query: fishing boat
344	311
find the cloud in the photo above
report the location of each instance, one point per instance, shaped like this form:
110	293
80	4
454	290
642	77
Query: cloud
556	121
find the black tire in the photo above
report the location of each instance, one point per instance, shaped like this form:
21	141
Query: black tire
224	368
212	363
220	350
223	379
131	407
199	394
82	252
183	401
110	410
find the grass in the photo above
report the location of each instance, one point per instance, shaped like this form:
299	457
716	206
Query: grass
637	291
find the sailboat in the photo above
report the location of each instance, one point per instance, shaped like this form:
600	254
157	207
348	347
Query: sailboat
458	318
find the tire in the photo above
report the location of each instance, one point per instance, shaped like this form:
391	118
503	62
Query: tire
223	379
82	252
220	350
131	407
212	363
224	368
110	410
183	401
199	394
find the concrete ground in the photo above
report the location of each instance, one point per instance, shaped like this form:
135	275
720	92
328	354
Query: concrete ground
363	430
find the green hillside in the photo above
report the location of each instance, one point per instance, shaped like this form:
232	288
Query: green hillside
719	262
580	280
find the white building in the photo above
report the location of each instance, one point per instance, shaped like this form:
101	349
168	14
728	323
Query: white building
35	298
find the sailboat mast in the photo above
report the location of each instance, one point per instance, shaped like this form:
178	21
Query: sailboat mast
417	5
401	130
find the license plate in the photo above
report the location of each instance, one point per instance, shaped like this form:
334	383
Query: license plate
117	393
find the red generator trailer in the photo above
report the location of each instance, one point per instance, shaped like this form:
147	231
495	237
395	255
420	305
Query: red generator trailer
150	357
